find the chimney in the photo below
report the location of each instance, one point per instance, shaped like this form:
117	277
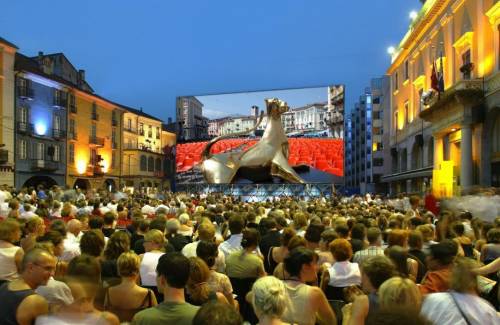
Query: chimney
81	75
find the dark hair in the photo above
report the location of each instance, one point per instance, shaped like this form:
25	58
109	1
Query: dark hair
85	267
395	316
298	257
268	223
358	231
493	236
217	313
378	269
158	223
313	233
251	237
458	228
444	251
175	268
59	226
118	243
109	218
95	223
373	234
52	236
236	223
92	243
328	236
416	239
399	257
207	251
342	230
288	233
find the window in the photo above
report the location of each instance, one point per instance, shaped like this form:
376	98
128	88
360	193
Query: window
40	151
408	116
71	152
113	138
466	68
157	132
72	127
151	164
144	163
57	153
420	92
396	81
57	122
23	115
407	70
113	116
141	128
129	124
150	131
93	130
23	150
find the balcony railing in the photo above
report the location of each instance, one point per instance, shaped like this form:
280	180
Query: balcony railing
4	156
95	117
44	164
96	141
60	102
159	174
94	170
25	92
58	133
114	122
72	108
133	146
23	127
130	129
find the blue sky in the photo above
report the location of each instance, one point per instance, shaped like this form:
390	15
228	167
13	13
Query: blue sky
145	53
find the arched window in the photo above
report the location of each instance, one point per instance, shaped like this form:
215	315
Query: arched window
144	163
151	164
158	165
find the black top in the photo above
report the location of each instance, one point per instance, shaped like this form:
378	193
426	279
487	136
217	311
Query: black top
178	241
271	239
135	237
357	245
108	231
10	301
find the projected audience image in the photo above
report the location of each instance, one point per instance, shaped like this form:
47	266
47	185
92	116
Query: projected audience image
279	136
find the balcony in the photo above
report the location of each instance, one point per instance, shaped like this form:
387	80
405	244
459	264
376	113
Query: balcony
72	108
96	141
26	128
141	132
130	129
114	122
72	136
94	170
159	174
25	92
44	164
4	156
60	102
58	134
94	117
142	147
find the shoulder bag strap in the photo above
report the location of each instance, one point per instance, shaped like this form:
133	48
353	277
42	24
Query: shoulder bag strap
460	309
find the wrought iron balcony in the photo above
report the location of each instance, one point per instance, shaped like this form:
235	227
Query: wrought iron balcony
96	141
58	133
130	129
95	170
23	127
4	156
44	164
72	108
25	92
60	102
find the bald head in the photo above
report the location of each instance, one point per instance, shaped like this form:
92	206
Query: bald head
74	226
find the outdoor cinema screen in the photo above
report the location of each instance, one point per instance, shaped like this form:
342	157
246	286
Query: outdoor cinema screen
278	136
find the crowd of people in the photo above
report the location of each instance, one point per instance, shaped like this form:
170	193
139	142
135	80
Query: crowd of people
99	257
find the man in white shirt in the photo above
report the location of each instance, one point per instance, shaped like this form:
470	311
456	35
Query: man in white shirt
233	243
206	231
71	243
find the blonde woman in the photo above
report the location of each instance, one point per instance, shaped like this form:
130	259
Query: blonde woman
11	255
127	298
399	292
35	228
269	300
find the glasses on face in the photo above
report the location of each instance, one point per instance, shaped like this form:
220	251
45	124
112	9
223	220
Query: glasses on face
46	268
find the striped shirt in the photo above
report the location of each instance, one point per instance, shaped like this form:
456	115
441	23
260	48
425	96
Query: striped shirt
363	254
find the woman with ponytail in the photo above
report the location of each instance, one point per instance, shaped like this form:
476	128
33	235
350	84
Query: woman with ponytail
269	300
198	291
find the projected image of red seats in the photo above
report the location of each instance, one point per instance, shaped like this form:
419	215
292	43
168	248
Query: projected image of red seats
326	155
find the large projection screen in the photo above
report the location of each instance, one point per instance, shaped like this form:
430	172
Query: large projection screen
313	125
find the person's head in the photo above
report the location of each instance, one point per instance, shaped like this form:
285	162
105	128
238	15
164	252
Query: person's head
74	226
92	243
463	278
399	292
118	243
172	271
427	232
375	270
154	240
269	297
374	236
35	226
327	237
207	251
341	250
342	230
442	254
10	231
287	234
458	229
236	224
55	238
301	263
217	313
158	223
358	231
59	226
296	241
397	237
184	219
109	219
85	267
251	238
414	201
128	264
313	233
493	236
173	226
415	239
206	231
197	282
37	266
96	223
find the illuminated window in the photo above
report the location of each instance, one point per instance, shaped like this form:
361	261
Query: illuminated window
407	70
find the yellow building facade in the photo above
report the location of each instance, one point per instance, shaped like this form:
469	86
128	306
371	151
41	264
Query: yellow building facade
94	142
7	57
448	141
143	156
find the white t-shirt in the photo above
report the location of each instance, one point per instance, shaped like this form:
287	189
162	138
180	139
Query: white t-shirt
440	308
